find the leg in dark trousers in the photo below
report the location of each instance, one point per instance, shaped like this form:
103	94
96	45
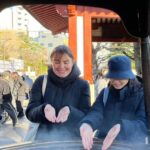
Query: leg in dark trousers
1	109
9	108
19	109
2	117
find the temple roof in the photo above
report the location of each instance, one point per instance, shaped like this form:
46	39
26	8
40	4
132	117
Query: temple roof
55	17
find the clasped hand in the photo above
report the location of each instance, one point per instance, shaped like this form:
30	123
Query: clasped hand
50	114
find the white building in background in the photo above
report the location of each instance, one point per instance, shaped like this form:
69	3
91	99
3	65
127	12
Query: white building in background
46	39
12	65
14	18
17	18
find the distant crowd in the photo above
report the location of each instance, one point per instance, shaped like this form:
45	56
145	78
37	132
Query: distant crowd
14	89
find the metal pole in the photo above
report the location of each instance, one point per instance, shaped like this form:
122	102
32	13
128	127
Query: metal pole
145	52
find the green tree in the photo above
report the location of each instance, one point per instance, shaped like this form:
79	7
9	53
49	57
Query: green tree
132	50
18	45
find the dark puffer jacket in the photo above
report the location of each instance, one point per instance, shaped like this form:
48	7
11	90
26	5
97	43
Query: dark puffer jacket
125	106
71	91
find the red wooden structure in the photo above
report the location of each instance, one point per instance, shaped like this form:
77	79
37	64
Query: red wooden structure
84	25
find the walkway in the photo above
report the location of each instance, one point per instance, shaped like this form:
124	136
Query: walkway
13	135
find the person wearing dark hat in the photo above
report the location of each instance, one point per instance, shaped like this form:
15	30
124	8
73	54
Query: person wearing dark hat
122	115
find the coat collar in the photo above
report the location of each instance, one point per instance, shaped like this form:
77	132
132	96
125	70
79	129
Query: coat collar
63	82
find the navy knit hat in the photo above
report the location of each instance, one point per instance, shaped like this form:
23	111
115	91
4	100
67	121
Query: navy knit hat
119	67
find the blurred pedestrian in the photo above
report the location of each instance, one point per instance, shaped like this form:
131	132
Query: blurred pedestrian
6	106
100	81
19	89
29	83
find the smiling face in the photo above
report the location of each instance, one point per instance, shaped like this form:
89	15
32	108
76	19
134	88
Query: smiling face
118	84
62	64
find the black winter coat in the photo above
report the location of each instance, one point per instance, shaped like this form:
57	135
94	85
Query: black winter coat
126	107
71	91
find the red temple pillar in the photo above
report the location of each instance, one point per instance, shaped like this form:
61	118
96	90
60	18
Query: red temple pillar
87	47
72	29
77	45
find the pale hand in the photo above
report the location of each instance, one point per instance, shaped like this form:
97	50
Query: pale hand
86	133
50	113
63	115
112	134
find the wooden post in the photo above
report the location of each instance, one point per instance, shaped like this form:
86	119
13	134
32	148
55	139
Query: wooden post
72	29
87	47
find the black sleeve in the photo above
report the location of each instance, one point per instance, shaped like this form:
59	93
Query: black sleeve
95	116
135	128
7	98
